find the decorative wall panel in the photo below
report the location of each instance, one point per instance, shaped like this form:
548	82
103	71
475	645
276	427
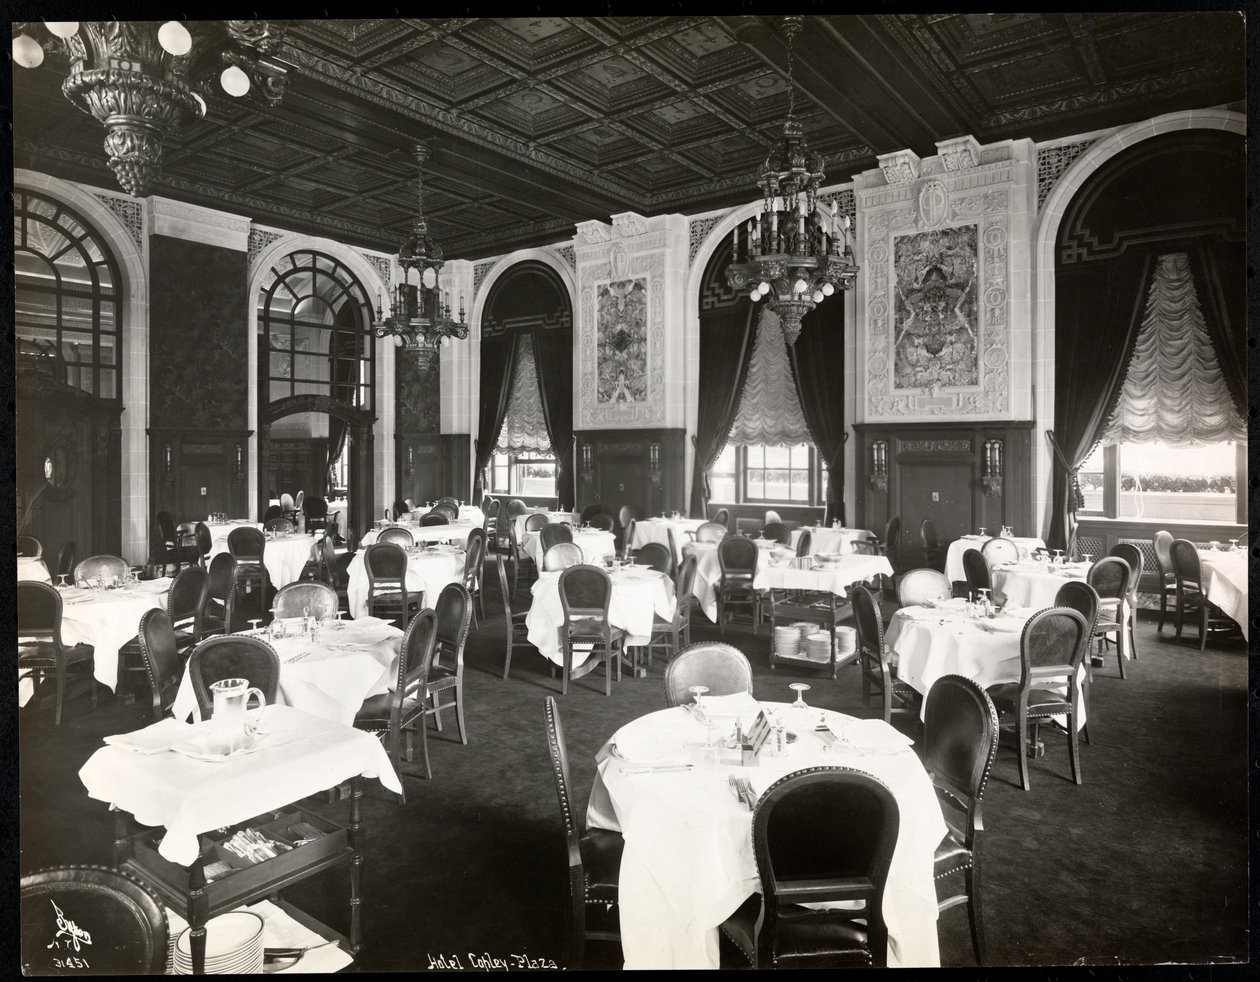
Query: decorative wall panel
419	391
621	345
935	321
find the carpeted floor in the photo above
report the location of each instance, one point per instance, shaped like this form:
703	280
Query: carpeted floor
1145	862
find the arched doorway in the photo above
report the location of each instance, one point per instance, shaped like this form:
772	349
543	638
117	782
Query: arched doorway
316	371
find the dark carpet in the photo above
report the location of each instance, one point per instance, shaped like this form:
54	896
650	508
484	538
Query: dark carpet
1146	862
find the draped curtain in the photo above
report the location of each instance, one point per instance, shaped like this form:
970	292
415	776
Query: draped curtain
553	357
344	343
1219	267
497	358
817	361
769	409
524	423
1099	309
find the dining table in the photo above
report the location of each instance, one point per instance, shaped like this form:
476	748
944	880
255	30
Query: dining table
954	554
826	539
688	862
553	518
594	543
1224	578
639	593
33	568
658	529
429	568
284	554
452	532
329	676
928	641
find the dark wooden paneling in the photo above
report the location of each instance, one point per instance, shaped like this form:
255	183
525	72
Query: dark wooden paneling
297	465
183	462
457	465
622	470
418	397
936	471
419	466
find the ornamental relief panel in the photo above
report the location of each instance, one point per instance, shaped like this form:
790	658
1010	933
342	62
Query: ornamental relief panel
905	217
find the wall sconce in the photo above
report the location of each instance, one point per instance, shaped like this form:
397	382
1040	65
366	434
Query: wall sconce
588	469
411	461
879	466
239	456
654	462
992	470
168	471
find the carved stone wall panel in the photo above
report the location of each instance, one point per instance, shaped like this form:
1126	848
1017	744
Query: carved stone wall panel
129	211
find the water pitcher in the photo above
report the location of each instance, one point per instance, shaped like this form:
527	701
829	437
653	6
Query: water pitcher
233	727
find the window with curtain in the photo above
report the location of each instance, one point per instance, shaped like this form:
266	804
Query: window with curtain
523	463
66	322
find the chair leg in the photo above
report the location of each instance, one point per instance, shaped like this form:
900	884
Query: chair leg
888	693
1120	653
459	713
973	910
437	713
423	727
1163	606
566	669
1023	754
609	654
1179	613
721	604
61	694
1203	623
1074	751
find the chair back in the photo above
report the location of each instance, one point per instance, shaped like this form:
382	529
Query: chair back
474	556
1080	597
590	511
1244	540
799	860
517	507
160	653
65	560
166	528
569	815
39	610
273	511
869	624
297	502
232	656
627	546
625	515
562	555
999	550
551	535
892	540
976	570
711	532
401	508
219	593
453	614
960	738
777	531
186	595
927	535
723	517
124	918
30	547
328	558
585	593
772	517
100	567
386	565
805	544
315	507
433	518
922	585
1162	545
246	544
296	599
277	525
1132	555
415	656
398	536
684	583
204	541
1051	646
1110	577
656	555
448	500
721	667
1185	564
737	558
865	547
602	521
286	502
450	512
537	522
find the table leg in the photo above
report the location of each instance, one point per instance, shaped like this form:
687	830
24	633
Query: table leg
356	864
121	846
198	914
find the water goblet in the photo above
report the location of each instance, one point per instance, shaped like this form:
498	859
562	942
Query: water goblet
800	688
253	624
1086	557
1233	545
982	530
710	752
61	581
697	692
778	737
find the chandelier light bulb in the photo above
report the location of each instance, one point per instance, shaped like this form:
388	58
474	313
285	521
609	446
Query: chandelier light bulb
64	29
234	81
828	289
27	52
800	286
754	294
763	288
818	296
398	341
174	38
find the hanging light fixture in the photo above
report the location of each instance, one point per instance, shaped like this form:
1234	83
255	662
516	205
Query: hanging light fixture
142	79
420	315
788	253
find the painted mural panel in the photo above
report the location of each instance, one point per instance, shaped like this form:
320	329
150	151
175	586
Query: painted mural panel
935	341
621	341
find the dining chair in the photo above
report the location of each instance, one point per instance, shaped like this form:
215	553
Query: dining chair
772	517
515	630
656	555
100	567
29	547
399	536
626	515
396	715
866	547
520	558
183	603
933	553
286	504
960	731
1110	577
400	509
453	613
163	666
41	652
920	586
561	556
602	521
627	545
273	511
1132	555
1188	579
474	560
998	550
216	610
722	667
673	550
278	525
516	507
550	535
877	660
233	656
65	561
331	570
300	599
594	858
590	511
167	550
449	512
723	517
122	916
804	544
315	513
737	560
890	544
203	543
248	546
585	596
386	567
1051	649
429	519
801	861
710	532
1161	545
667	632
1082	598
976	569
778	532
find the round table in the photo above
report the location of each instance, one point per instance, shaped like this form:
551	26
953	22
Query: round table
453	532
284	555
1032	584
594	543
427	571
657	530
953	555
30	568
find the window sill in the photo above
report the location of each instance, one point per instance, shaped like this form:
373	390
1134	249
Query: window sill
1156	523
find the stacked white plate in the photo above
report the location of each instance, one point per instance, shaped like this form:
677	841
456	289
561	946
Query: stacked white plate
787	642
234	945
807	628
846	641
818	647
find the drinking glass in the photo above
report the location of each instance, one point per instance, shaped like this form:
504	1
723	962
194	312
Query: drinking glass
800	688
253	624
61	581
697	692
982	530
337	625
1233	545
1086	557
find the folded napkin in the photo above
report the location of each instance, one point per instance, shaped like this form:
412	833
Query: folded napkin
162	735
867	734
643	745
1002	625
736	704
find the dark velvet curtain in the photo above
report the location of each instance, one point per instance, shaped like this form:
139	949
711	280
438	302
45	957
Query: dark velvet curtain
817	360
1219	266
1099	307
344	349
498	356
553	355
726	343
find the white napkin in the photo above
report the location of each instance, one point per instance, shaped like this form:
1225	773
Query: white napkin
868	734
1002	625
153	739
736	704
641	745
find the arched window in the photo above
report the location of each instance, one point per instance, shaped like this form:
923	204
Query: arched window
65	297
313	317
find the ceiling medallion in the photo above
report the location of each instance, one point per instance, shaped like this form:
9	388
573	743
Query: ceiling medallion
788	252
141	79
420	315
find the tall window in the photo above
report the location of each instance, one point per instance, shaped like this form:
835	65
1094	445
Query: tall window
768	474
65	298
523	463
1165	481
312	321
523	474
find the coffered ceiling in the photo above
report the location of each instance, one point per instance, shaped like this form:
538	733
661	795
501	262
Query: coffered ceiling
537	123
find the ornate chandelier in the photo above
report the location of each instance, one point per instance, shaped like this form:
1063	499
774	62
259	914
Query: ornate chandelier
420	315
788	252
141	79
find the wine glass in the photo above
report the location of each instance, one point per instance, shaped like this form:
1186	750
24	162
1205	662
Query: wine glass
61	581
800	688
1233	545
697	692
1086	557
1057	559
253	624
983	531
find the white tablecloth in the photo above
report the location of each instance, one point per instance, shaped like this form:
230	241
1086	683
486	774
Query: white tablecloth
553	518
829	540
1224	576
953	555
657	530
107	620
594	543
688	861
298	755
30	568
454	532
284	556
931	642
427	572
638	593
330	677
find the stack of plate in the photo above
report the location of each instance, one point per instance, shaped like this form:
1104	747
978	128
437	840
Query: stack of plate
807	628
846	645
787	642
234	945
818	647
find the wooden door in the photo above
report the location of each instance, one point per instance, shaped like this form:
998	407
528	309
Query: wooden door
622	481
942	490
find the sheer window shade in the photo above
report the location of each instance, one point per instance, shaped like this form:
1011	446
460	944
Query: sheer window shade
1174	391
770	409
525	424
